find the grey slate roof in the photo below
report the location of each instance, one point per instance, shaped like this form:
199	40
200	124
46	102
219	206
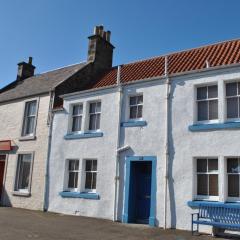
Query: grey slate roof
38	84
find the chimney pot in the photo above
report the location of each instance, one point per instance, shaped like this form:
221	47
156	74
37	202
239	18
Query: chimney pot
108	36
30	60
25	70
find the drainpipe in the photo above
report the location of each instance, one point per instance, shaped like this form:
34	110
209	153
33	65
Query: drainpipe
168	91
120	99
49	122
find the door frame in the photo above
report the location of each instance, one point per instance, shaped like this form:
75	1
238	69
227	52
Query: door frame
128	162
4	176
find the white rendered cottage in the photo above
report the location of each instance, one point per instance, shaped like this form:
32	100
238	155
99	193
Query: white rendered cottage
150	139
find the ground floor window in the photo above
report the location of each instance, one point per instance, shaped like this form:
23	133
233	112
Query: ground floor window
207	177
73	172
90	175
23	174
233	177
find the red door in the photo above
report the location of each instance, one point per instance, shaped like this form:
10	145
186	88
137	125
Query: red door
2	167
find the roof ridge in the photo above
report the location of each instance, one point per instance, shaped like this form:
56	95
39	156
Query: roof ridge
56	69
181	51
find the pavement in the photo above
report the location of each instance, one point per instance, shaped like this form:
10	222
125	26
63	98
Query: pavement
20	224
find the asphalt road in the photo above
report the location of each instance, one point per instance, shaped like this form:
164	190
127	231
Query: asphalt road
19	224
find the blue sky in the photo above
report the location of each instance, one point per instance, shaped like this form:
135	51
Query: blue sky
55	32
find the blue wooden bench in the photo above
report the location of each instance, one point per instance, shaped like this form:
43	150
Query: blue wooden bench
224	216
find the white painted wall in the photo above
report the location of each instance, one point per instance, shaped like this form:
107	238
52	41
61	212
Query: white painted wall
11	115
101	148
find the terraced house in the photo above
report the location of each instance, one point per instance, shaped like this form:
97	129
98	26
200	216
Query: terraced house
151	140
143	142
26	115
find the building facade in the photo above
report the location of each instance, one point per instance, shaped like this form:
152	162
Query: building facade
150	139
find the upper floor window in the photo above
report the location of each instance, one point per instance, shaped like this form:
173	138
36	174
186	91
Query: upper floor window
29	119
73	172
23	175
233	176
77	112
207	103
233	99
135	107
94	115
90	175
207	177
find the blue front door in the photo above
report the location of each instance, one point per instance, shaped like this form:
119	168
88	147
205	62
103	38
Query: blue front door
140	191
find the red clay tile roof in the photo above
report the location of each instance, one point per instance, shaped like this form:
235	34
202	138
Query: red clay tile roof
219	54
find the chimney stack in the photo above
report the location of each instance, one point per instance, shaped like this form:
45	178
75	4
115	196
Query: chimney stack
100	49
25	70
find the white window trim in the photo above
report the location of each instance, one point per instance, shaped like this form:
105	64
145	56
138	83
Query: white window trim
204	197
207	99
33	135
71	118
227	97
232	199
66	188
128	107
88	116
24	192
84	169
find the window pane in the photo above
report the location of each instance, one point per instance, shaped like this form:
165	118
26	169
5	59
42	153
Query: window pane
231	89
202	184
24	171
232	107
98	108
30	125
31	108
238	88
92	122
88	181
94	165
98	121
212	165
77	124
213	91
201	165
232	165
213	185
73	165
213	109
202	111
88	165
133	112
77	109
201	93
73	180
140	99
139	114
133	100
92	108
233	185
94	180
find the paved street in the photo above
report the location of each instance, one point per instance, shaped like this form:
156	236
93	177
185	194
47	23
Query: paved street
24	224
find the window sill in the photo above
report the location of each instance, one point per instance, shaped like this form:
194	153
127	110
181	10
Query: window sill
196	204
214	126
83	135
27	138
21	194
80	195
137	123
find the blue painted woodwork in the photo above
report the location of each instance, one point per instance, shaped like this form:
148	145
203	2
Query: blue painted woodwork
128	205
214	126
134	123
79	195
83	135
196	204
225	216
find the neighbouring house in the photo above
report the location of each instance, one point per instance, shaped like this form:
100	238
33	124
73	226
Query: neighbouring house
150	139
26	116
